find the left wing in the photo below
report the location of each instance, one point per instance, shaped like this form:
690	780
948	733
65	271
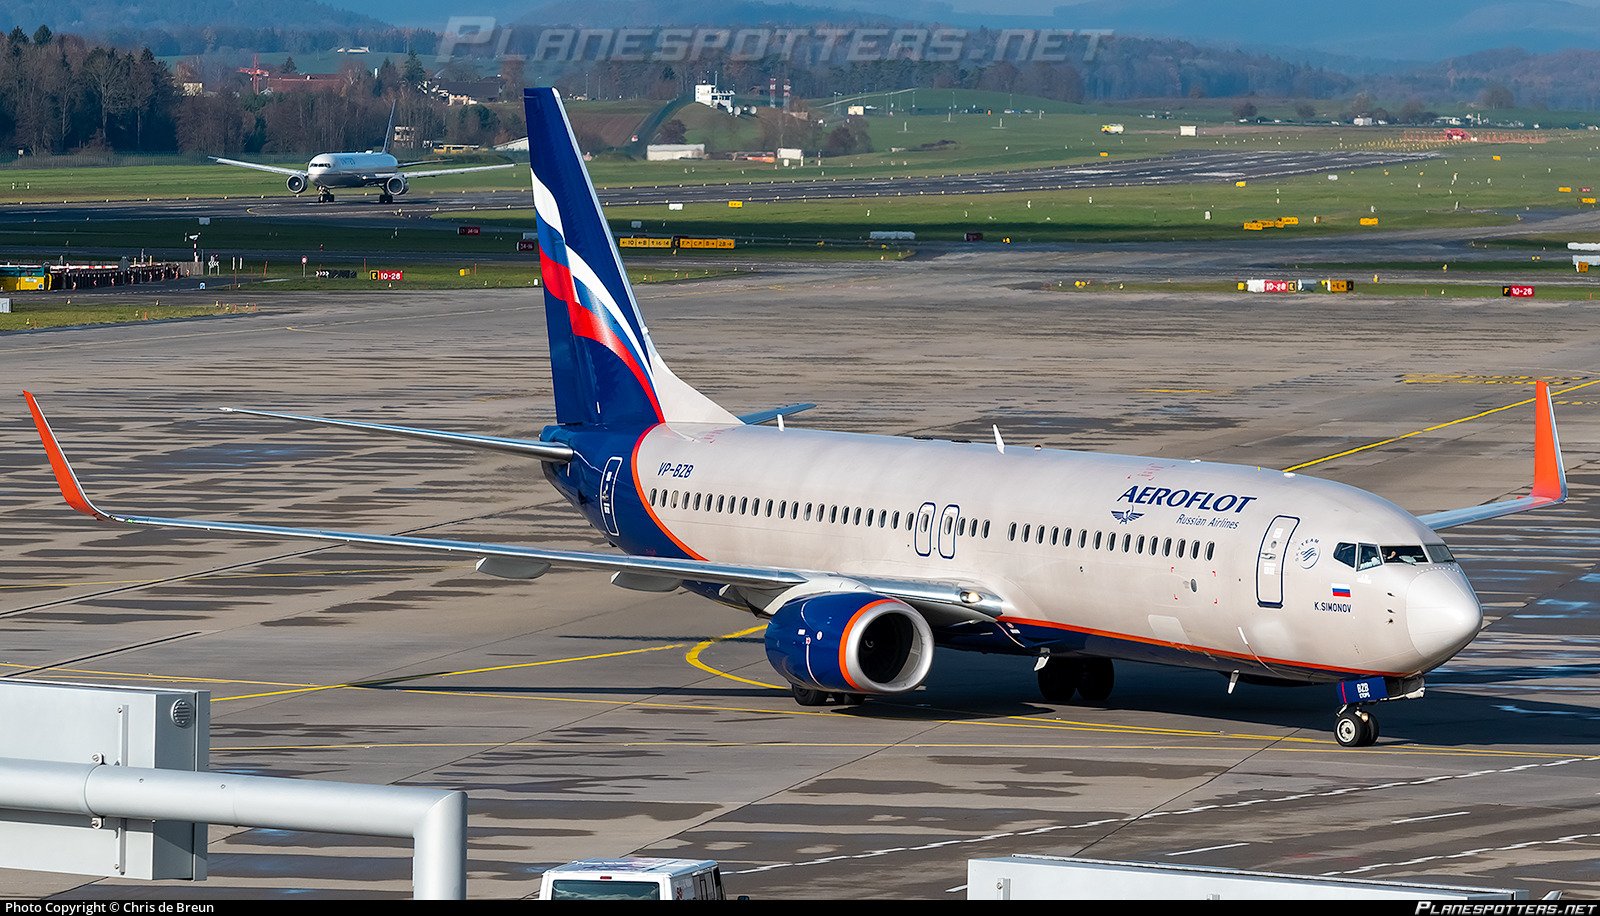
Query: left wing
430	173
258	166
1549	474
941	602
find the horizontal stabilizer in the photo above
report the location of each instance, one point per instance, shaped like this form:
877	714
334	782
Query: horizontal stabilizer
532	448
773	413
1549	473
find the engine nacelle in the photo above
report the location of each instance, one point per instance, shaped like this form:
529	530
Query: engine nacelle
850	642
395	185
296	183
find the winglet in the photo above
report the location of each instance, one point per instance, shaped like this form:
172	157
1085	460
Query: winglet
1549	476
68	481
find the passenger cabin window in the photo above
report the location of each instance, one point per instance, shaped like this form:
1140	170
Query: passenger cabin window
985	527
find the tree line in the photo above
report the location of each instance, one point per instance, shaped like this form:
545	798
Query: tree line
61	94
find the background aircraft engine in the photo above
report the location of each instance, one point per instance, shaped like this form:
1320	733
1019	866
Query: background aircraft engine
850	642
395	185
296	183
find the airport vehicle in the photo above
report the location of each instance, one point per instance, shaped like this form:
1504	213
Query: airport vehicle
864	552
327	171
633	878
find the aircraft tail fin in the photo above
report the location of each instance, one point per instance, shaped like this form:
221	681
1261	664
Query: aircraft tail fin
388	134
605	368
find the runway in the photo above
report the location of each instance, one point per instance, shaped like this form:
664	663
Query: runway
586	720
1216	166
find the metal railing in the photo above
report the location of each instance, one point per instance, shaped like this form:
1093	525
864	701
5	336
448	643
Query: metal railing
434	819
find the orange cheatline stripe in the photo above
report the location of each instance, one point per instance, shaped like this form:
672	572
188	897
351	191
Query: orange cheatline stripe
1201	649
638	490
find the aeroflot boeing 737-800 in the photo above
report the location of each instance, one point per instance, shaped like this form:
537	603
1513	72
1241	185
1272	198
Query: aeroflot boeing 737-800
863	552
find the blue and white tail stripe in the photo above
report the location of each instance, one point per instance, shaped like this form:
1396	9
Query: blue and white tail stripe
606	370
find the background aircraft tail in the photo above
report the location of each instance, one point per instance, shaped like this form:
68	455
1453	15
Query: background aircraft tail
388	134
606	370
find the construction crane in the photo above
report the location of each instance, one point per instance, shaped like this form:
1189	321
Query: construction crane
256	73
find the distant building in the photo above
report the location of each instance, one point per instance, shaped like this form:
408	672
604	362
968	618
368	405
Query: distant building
301	82
194	88
709	95
466	92
1364	121
664	152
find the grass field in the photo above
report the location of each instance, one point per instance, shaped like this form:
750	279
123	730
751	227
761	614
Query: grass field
46	310
1038	133
437	276
1465	187
57	312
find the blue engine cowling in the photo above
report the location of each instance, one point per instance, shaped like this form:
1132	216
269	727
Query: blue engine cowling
850	642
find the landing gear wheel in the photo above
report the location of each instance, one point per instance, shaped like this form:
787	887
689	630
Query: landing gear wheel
806	696
1059	678
1355	727
1098	678
325	197
384	197
849	699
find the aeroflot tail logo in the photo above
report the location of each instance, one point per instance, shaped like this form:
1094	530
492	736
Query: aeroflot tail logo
1204	500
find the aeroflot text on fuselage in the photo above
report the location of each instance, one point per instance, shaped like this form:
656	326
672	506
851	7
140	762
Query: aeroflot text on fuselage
1204	500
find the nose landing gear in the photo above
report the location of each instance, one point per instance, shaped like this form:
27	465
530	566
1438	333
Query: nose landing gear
324	196
1355	726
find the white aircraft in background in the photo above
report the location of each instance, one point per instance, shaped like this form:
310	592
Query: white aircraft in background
863	553
356	170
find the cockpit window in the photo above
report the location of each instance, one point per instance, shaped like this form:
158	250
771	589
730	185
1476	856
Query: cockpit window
1438	553
1369	557
1346	554
1407	553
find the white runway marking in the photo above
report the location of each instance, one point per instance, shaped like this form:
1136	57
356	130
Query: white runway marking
1431	817
1571	838
1101	822
1190	852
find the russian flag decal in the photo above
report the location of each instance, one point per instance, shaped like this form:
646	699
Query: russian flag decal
1341	591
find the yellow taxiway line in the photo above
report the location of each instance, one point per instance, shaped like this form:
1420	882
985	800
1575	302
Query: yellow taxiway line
1438	426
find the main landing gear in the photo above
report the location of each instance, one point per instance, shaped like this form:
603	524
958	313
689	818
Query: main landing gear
384	197
1062	676
810	696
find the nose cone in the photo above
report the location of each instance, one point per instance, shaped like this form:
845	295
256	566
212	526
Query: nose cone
1442	614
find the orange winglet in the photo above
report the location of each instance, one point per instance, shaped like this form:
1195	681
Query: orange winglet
1549	479
68	481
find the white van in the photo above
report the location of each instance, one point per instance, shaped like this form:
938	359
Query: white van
633	878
